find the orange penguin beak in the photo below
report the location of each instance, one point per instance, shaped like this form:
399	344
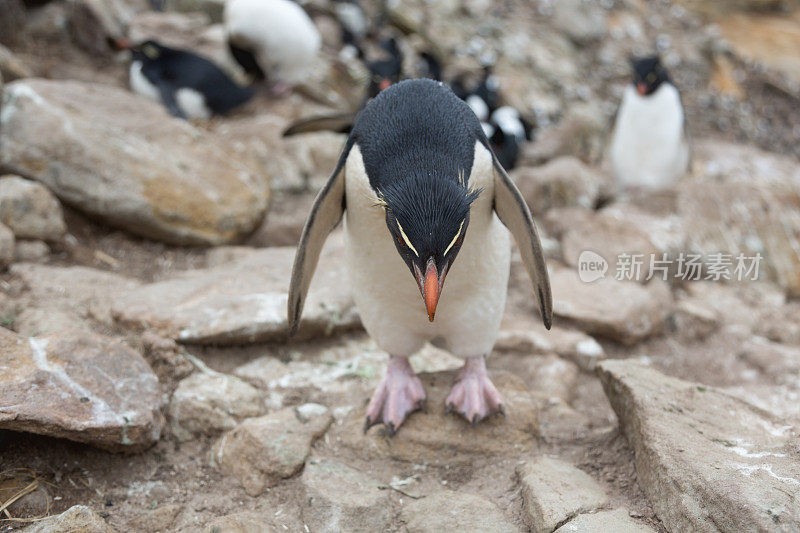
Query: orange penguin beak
641	88
385	84
430	286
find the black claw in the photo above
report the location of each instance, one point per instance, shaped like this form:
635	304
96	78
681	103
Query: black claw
502	409
367	425
475	420
391	428
448	409
423	406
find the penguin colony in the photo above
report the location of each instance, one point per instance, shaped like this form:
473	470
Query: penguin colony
421	185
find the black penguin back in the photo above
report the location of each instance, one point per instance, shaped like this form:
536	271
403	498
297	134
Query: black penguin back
417	125
184	69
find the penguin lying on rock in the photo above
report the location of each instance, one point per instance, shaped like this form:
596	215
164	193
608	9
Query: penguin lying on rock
649	148
273	40
423	194
189	86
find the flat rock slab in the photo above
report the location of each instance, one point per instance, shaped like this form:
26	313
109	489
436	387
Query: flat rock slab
79	386
554	491
616	521
342	498
454	512
624	311
78	518
439	438
259	452
706	461
123	159
243	300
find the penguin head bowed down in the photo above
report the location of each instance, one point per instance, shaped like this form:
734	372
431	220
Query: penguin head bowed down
428	220
648	74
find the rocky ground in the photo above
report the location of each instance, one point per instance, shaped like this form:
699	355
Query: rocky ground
146	379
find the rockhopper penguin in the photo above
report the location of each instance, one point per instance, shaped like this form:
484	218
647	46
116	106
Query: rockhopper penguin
189	86
649	148
423	194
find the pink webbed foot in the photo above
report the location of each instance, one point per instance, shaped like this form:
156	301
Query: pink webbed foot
399	394
474	396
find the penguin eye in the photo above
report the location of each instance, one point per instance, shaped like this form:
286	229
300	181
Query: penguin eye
651	77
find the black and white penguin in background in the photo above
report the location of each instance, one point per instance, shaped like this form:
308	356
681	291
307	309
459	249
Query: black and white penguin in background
649	148
505	128
424	202
189	86
273	40
384	72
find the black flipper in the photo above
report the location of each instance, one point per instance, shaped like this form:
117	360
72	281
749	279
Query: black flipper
338	122
513	212
325	215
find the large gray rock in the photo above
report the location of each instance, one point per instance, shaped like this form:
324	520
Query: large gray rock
742	200
706	461
121	158
79	386
554	491
340	498
242	301
624	311
78	518
30	210
260	452
208	403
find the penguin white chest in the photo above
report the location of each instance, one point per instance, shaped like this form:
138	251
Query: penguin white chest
649	148
192	103
140	84
392	310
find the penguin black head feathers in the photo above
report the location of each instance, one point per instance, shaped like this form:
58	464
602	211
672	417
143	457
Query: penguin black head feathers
147	51
427	220
648	74
421	183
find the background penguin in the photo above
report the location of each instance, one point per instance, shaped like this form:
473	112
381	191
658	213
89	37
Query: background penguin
503	125
383	72
649	147
188	85
271	39
424	201
352	20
